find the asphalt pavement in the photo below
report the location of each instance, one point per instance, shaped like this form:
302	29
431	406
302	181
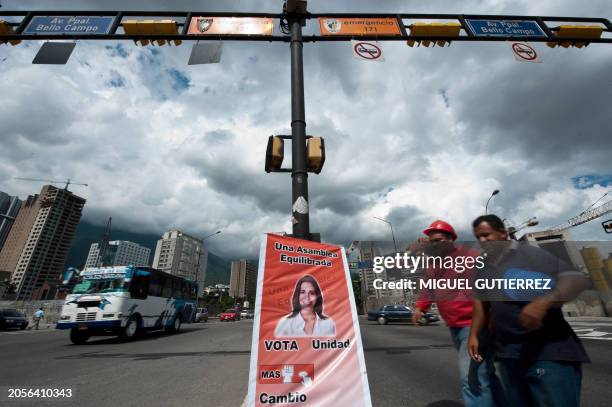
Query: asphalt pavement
207	365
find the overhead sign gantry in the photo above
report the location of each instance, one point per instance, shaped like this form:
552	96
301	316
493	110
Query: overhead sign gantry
165	27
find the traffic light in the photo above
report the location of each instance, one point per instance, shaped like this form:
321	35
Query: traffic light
589	32
315	154
151	27
275	153
433	30
5	28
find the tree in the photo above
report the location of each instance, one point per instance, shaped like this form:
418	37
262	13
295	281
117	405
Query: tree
356	282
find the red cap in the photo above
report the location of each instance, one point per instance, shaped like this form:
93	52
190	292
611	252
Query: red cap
441	226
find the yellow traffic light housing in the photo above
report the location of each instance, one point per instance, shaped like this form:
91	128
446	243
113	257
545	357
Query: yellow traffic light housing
433	30
5	28
151	27
588	32
315	154
275	153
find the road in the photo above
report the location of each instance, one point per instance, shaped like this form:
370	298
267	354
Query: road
207	365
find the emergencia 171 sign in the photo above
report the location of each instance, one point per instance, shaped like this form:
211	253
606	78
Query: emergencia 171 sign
69	25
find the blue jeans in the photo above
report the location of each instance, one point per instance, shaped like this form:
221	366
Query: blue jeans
481	388
541	382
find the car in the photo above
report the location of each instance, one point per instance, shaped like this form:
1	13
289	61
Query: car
231	314
248	314
399	313
11	318
201	315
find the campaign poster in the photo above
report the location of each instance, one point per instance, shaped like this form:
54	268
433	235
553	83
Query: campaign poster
306	347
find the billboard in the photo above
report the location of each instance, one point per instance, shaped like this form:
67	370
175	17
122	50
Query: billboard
231	25
306	346
359	26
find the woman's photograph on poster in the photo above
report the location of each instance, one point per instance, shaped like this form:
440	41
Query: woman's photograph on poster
307	317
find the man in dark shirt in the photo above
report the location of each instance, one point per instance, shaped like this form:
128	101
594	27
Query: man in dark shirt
539	354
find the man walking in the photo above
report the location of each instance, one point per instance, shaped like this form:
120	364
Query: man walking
539	355
38	315
479	382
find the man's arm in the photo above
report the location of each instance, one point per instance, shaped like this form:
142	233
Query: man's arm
569	286
479	318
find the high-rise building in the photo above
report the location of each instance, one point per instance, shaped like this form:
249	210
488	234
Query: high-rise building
36	248
182	255
119	253
243	279
9	207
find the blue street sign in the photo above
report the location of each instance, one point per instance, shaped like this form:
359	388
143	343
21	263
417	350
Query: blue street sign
502	28
69	25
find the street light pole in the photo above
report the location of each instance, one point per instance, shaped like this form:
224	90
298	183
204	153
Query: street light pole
495	192
392	234
512	230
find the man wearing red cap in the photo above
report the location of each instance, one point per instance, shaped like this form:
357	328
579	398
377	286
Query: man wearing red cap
455	307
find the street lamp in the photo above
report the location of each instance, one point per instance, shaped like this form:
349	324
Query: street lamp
392	234
528	223
495	192
212	234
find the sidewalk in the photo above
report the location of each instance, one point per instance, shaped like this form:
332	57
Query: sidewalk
589	319
43	326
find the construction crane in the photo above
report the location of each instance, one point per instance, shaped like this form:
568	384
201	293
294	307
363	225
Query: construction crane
587	215
67	181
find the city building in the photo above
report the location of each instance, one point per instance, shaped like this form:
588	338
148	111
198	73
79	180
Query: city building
118	253
559	243
374	298
9	207
580	255
182	255
243	279
36	248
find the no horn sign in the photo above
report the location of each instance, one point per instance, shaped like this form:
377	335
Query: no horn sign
524	52
367	50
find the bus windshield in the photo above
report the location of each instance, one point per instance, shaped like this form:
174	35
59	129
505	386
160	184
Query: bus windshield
103	285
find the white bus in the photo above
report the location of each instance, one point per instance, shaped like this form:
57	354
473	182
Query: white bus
126	300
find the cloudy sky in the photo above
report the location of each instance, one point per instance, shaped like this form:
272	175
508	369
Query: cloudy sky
428	134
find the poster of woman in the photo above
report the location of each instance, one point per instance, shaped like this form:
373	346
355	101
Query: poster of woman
307	317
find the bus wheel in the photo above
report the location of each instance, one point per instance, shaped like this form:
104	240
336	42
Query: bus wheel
176	325
131	329
78	337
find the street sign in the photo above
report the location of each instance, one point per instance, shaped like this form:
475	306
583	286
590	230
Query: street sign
359	26
69	25
231	25
321	365
367	50
503	28
607	225
524	52
205	54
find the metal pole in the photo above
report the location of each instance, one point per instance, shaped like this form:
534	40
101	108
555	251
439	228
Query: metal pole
299	175
487	205
495	192
393	236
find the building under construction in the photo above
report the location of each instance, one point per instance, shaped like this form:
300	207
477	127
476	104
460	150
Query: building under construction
37	246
